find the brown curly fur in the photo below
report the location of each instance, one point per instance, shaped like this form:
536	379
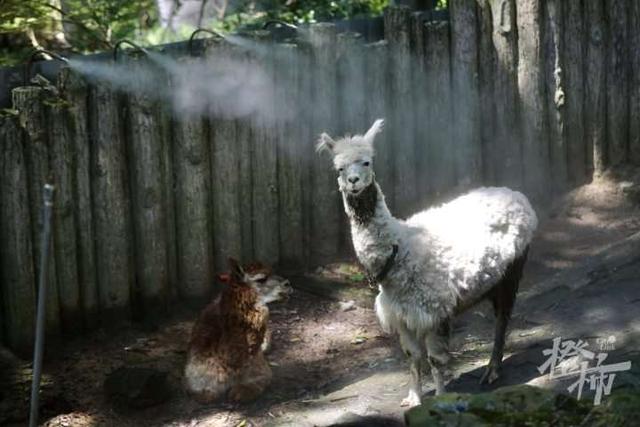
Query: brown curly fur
225	357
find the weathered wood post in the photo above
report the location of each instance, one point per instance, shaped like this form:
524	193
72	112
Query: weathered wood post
634	100
264	184
377	78
111	204
147	183
28	101
192	170
595	86
438	115
230	151
554	79
531	88
617	85
420	104
63	164
397	32
75	92
574	78
290	156
486	67
464	75
506	159
16	249
351	83
325	238
351	97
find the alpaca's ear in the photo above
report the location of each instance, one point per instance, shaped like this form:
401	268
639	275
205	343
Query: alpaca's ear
375	129
325	143
237	273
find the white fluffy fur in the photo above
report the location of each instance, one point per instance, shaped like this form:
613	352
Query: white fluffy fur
455	252
448	256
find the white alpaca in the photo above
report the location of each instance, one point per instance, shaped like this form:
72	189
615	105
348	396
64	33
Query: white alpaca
437	263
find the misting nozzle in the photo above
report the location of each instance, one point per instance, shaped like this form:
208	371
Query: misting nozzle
198	31
32	56
272	22
116	48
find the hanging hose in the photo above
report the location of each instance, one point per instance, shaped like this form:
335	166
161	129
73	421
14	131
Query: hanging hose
42	297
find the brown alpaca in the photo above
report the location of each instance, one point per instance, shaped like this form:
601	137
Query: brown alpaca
225	357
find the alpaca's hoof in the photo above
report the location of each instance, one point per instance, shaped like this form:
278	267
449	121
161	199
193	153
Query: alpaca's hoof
411	400
491	374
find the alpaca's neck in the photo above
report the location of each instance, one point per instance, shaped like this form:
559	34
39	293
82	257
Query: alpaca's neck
373	228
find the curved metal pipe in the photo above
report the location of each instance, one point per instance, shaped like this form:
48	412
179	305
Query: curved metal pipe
30	60
198	31
268	24
130	43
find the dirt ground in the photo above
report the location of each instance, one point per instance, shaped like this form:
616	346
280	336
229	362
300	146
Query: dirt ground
328	361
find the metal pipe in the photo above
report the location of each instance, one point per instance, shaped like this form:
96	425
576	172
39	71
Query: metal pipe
42	298
33	54
198	31
130	43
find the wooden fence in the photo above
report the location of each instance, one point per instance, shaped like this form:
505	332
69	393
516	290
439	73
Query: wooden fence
149	203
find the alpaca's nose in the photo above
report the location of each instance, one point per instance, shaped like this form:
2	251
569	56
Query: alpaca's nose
353	179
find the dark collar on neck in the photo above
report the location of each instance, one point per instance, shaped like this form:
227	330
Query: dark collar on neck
382	274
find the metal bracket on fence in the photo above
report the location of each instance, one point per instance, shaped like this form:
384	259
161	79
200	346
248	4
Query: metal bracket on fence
198	31
32	56
42	299
136	47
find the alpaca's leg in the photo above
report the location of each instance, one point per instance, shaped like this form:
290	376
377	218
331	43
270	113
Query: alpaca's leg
503	300
412	348
266	342
438	349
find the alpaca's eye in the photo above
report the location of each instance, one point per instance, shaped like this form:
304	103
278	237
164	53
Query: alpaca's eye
366	163
340	169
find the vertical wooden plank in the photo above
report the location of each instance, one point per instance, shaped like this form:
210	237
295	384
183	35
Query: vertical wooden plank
63	164
193	208
306	136
506	159
244	141
325	238
574	60
464	69
75	92
351	83
231	172
377	78
634	91
164	115
397	29
29	103
553	49
225	185
438	114
419	110
16	254
617	84
531	89
351	98
144	132
264	165
595	86
290	155
111	205
486	67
